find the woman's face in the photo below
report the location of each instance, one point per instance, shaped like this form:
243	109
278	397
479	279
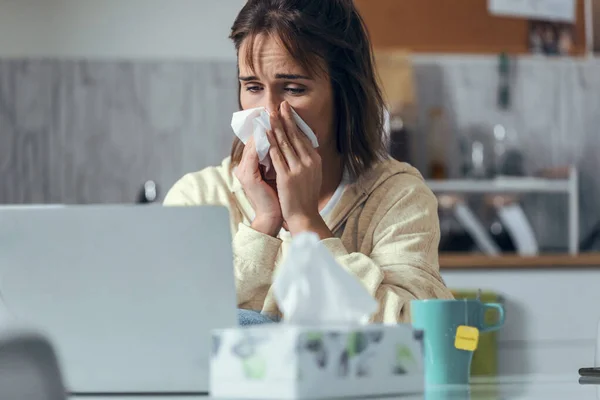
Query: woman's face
277	77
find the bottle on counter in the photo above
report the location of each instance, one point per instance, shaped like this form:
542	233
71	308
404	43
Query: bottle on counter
400	144
508	159
438	141
148	193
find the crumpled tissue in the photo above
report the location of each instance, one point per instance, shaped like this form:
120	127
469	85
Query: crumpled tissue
311	288
255	122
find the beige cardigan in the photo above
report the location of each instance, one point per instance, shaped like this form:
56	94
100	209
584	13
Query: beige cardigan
386	232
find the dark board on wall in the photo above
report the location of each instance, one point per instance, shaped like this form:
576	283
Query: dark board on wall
596	24
451	26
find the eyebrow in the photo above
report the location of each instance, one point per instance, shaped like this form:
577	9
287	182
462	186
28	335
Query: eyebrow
291	76
277	76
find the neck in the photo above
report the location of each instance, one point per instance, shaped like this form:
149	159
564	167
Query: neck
332	175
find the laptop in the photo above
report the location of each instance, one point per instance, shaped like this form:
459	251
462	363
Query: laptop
127	294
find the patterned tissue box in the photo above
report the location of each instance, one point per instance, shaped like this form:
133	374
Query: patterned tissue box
282	361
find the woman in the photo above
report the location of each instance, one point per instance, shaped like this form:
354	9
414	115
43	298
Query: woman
375	215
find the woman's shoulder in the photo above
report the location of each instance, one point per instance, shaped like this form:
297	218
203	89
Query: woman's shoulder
211	185
393	178
392	184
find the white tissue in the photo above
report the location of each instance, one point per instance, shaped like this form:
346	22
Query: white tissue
311	288
255	122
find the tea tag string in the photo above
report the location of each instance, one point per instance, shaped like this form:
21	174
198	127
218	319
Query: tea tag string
467	337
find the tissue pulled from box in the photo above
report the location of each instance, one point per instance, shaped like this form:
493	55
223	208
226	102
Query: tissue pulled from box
255	123
311	288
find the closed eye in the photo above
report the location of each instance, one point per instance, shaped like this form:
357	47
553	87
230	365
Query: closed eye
253	88
295	91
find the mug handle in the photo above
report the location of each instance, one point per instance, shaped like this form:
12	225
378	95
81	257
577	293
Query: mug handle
498	325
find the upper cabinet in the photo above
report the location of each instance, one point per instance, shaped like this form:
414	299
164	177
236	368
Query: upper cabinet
451	26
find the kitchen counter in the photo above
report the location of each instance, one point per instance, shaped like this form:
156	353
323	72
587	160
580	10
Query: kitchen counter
480	261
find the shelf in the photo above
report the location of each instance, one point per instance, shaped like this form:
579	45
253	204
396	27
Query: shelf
545	261
568	185
501	185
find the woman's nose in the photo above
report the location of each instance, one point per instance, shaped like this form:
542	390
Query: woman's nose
273	102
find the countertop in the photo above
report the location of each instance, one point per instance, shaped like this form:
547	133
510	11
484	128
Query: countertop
480	261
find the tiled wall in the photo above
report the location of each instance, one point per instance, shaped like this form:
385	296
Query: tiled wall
94	131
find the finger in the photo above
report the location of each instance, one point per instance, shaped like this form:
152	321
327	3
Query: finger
250	157
249	164
297	137
283	141
279	162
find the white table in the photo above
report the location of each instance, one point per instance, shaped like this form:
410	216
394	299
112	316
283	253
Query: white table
509	388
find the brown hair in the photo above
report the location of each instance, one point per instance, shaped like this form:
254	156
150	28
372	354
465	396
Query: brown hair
332	33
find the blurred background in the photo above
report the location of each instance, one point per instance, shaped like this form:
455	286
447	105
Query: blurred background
495	101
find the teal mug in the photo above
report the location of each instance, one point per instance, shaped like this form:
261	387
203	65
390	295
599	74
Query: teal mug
439	319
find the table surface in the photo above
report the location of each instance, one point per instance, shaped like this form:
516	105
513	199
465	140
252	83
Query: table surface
507	388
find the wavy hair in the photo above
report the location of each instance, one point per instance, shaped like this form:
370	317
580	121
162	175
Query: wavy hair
325	36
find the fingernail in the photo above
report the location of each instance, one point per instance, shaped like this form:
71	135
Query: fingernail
286	105
274	114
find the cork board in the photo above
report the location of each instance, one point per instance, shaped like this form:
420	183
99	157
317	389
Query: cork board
451	26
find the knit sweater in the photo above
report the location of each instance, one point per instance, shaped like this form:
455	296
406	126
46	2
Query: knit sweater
385	228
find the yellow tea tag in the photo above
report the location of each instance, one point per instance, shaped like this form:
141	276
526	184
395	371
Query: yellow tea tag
467	338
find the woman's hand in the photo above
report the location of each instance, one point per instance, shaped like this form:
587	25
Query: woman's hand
299	175
268	218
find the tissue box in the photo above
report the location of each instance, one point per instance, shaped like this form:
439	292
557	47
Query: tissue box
279	361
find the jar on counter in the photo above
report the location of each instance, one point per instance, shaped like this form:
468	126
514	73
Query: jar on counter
508	159
438	144
399	141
